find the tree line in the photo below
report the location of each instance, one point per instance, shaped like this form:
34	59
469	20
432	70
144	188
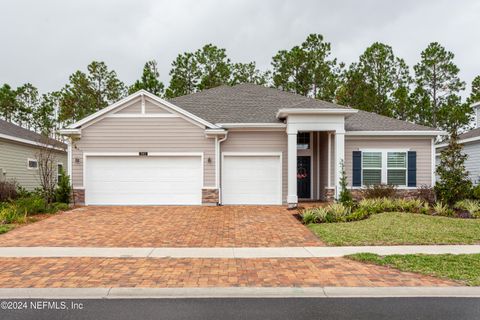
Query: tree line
379	81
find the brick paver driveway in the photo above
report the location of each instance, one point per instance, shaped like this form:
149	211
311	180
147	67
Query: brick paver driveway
164	272
150	226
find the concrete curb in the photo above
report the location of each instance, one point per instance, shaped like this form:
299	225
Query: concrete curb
237	292
222	252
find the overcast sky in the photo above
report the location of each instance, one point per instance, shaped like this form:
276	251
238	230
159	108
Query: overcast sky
43	42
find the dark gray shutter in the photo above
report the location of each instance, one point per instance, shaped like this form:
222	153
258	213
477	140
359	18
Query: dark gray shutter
412	168
357	169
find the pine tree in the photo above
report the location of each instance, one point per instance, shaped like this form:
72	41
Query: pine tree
345	196
149	81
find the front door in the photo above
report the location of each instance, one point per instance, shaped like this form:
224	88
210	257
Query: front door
303	177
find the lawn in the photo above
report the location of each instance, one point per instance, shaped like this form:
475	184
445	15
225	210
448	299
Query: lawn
464	267
399	228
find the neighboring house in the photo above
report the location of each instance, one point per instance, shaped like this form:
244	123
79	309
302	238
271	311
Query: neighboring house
245	144
471	147
19	149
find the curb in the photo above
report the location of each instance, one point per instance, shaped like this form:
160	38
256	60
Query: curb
237	292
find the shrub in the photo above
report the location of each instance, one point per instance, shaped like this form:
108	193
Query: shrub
345	196
425	208
472	206
379	191
12	214
442	210
409	205
309	216
8	190
359	214
426	194
476	192
64	189
32	205
454	184
337	212
58	206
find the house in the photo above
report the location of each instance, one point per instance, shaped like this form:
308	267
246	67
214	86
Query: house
19	151
245	144
471	147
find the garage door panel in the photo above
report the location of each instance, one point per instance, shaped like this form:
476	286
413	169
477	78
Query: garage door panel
251	180
144	180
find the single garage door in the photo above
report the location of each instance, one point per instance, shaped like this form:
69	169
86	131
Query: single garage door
155	180
252	179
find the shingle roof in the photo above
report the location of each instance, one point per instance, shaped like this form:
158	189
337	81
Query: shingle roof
13	130
470	134
249	103
244	103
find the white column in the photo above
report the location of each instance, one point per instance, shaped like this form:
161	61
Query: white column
339	157
69	159
292	198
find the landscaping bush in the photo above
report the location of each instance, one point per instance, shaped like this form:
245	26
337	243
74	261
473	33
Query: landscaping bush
32	205
64	189
345	196
441	209
337	212
472	206
8	190
379	191
314	215
476	192
12	214
359	214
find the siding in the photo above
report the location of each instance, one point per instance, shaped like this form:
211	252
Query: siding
136	107
13	162
260	141
144	134
472	164
151	107
422	146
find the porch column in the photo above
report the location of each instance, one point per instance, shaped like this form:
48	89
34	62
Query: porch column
339	157
292	198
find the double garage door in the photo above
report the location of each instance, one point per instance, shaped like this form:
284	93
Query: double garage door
178	180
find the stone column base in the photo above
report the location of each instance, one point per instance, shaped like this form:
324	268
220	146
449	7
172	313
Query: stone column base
329	194
79	196
210	197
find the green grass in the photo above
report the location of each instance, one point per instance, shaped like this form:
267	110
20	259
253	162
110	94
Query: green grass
399	228
464	267
5	228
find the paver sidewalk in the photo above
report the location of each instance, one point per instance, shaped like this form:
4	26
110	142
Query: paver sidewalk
187	272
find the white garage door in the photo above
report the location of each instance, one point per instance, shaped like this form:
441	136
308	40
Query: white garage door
252	179
114	180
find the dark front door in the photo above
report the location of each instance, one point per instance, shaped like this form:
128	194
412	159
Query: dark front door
303	177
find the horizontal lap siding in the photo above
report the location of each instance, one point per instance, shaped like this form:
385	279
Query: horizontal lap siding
472	150
13	161
144	134
260	141
423	147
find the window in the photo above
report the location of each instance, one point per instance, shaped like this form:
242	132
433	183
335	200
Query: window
387	167
32	164
371	168
303	140
59	171
397	168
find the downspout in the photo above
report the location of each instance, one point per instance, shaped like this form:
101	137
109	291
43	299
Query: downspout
218	165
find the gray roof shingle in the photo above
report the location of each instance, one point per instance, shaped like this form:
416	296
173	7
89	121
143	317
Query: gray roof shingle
13	130
470	134
249	103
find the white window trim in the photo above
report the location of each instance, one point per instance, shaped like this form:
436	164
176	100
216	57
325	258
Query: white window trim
58	171
28	164
385	166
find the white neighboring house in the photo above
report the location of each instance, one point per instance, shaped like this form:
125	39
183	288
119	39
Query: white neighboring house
471	147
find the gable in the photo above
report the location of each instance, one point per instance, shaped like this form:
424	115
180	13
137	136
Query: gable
139	104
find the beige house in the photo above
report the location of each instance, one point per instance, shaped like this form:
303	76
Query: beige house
245	144
19	149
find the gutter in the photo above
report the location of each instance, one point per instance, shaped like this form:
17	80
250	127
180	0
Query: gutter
218	165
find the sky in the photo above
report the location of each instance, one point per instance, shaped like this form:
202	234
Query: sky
43	42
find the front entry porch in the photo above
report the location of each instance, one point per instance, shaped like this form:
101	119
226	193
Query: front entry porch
315	163
316	150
